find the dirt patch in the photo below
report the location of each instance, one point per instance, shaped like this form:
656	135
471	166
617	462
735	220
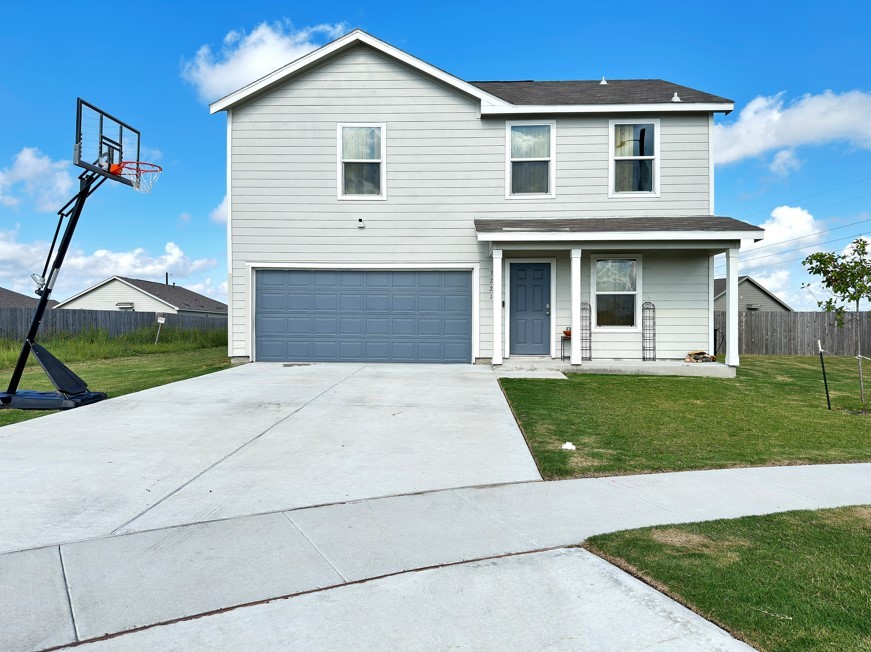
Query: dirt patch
724	552
849	517
581	462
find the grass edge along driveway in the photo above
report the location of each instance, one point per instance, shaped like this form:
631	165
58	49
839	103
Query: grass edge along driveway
123	375
792	581
773	413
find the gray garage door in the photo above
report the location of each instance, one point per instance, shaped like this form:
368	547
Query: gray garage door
374	316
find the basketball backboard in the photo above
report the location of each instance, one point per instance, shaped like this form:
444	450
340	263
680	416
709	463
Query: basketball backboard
103	142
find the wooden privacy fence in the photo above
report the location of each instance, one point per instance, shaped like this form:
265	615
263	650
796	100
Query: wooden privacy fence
14	322
795	333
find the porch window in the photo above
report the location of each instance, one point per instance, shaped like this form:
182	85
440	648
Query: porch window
530	163
634	166
616	289
361	161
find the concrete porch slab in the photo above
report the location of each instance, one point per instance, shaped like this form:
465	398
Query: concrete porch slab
629	367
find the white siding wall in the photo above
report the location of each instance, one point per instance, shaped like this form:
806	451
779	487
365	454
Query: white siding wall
445	167
106	297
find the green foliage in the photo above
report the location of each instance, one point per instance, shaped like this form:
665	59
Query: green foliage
792	581
847	276
774	412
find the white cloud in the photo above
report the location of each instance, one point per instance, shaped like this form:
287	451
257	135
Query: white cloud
246	57
208	288
767	124
184	218
34	175
790	232
220	212
784	162
18	260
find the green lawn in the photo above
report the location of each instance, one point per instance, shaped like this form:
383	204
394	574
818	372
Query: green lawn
793	581
122	375
773	413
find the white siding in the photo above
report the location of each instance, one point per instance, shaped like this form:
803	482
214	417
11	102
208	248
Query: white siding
445	167
106	297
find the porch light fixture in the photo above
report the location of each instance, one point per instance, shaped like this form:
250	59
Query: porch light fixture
361	224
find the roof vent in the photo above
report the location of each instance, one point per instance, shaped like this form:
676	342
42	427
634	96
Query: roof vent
675	98
603	82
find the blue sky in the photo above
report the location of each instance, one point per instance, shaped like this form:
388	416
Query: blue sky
795	155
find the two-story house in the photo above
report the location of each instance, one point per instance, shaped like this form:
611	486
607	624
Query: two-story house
381	209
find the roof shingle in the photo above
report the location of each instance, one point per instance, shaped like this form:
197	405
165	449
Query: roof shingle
617	91
181	298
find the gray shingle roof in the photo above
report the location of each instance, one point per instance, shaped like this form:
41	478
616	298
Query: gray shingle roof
10	299
181	298
615	224
617	91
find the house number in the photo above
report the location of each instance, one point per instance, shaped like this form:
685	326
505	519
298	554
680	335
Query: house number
491	285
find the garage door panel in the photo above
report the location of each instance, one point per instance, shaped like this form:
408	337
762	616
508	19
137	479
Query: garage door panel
352	315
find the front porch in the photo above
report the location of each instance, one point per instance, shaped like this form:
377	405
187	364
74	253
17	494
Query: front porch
585	276
546	367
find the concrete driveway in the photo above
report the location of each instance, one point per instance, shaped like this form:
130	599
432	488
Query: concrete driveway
253	439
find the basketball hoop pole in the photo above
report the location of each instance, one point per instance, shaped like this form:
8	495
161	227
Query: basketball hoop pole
88	182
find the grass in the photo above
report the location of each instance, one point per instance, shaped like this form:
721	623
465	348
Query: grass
793	581
119	365
773	413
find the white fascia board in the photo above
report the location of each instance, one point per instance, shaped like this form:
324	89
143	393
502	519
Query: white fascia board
585	236
670	107
341	43
120	280
84	292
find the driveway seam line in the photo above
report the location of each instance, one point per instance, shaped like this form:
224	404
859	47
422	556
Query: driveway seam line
312	544
522	535
231	453
63	571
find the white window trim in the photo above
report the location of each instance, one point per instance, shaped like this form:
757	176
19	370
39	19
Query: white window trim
657	144
551	173
339	175
594	315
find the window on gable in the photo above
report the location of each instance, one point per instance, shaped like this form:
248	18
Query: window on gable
361	161
634	157
530	159
616	287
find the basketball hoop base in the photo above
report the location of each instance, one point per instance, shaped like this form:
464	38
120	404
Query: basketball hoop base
31	400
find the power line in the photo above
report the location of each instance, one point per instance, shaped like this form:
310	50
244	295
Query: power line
834	228
816	194
786	251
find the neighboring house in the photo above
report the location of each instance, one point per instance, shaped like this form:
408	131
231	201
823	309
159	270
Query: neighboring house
381	209
10	299
120	293
751	296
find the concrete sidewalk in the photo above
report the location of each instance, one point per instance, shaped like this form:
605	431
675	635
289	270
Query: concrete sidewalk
82	590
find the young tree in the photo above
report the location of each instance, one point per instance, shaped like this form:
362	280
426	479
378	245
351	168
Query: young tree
848	277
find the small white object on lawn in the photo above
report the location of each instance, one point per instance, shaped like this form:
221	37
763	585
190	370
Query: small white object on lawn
569	446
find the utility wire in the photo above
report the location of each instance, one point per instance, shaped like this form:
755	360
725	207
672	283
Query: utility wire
834	228
816	194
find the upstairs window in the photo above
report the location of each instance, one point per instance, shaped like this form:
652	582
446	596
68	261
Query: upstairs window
615	283
530	165
362	162
634	166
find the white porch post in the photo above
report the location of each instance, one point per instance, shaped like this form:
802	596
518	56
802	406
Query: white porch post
497	306
576	306
732	307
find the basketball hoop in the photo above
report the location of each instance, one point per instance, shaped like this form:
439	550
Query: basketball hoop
141	175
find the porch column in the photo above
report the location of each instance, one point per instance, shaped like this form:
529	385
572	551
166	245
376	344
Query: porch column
732	307
576	306
497	306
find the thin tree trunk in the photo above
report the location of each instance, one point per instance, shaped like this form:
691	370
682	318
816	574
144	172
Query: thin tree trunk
859	356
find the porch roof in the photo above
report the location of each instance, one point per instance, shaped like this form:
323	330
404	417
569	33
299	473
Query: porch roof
700	227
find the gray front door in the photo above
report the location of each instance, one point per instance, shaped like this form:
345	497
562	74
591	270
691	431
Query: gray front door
530	309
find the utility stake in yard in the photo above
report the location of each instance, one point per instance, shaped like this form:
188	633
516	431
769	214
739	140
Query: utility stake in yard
825	380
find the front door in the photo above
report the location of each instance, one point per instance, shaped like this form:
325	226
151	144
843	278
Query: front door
530	309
